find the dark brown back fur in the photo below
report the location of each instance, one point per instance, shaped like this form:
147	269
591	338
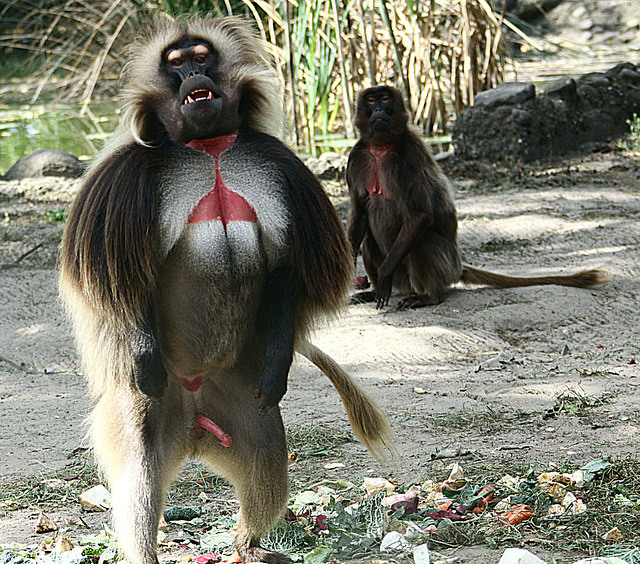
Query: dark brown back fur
108	246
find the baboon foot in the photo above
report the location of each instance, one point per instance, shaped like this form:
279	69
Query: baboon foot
362	298
415	302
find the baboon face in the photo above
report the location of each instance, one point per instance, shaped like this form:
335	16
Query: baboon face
378	107
199	79
381	116
200	107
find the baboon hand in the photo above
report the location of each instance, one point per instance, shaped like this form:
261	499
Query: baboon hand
383	291
150	374
273	386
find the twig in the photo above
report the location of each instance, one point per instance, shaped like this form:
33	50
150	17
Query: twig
343	70
514	447
21	257
384	14
30	251
17	366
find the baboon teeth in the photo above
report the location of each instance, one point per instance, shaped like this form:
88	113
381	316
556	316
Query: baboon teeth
198	95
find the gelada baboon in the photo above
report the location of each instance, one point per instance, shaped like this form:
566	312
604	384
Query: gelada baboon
197	255
403	216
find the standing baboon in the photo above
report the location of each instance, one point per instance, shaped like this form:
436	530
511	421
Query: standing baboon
197	255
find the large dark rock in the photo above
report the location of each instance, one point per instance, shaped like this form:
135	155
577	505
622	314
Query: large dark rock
506	94
511	122
527	10
46	162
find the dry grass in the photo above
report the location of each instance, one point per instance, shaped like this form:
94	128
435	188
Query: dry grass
439	53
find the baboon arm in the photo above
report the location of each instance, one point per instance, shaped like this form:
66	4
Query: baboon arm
149	372
413	227
273	380
357	225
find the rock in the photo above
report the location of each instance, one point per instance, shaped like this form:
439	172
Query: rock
630	76
564	89
595	79
507	93
329	166
511	122
46	162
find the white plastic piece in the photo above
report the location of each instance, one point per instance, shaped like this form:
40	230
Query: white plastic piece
421	554
519	556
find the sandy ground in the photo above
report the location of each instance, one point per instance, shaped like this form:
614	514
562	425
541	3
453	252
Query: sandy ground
471	377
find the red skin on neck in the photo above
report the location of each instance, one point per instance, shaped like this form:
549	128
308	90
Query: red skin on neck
377	154
214	146
220	204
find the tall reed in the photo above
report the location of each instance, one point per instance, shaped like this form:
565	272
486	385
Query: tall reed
440	53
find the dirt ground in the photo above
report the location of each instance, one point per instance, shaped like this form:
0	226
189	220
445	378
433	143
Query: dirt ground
479	379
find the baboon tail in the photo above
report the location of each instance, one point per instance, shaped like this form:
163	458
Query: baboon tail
368	421
582	279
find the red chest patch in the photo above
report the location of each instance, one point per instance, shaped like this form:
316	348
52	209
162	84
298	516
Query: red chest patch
220	204
374	185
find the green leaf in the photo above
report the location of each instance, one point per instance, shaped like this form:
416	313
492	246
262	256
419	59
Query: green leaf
318	555
592	468
217	539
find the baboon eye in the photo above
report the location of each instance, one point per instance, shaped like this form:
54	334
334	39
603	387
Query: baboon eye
201	54
174	58
371	100
385	98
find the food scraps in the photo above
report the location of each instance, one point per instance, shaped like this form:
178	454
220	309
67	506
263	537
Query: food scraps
45	524
517	515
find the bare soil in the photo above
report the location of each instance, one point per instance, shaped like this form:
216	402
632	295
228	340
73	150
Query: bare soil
489	378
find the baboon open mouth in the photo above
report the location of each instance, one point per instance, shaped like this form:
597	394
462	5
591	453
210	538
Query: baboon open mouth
198	95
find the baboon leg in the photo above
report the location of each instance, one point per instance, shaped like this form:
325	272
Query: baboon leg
257	467
139	463
433	267
372	258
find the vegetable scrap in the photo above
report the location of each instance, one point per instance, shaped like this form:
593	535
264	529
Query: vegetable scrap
208	558
339	520
517	515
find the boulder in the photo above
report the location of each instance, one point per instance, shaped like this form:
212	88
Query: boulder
46	162
512	122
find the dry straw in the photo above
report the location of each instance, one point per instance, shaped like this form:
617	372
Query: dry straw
439	53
